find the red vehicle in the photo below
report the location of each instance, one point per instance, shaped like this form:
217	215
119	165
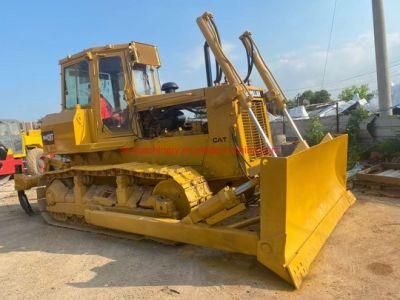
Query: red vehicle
8	161
19	149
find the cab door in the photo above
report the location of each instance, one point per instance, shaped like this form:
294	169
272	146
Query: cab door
111	94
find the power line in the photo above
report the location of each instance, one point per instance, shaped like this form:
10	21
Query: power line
394	64
329	44
366	73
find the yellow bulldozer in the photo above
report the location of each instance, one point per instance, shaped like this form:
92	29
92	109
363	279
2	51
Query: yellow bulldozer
196	166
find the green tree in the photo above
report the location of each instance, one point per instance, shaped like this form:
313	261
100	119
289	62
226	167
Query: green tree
314	97
306	95
363	91
321	96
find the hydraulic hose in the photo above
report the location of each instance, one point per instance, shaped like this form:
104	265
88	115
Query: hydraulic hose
218	68
250	60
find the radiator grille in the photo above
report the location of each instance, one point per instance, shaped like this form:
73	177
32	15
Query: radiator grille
255	146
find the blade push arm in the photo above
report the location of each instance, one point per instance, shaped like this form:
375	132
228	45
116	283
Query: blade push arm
275	92
209	30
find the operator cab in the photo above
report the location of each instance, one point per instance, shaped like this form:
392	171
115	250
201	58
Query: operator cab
112	95
107	79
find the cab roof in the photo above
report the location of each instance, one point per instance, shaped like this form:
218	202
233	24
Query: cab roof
142	53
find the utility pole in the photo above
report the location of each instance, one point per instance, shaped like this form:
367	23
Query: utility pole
382	68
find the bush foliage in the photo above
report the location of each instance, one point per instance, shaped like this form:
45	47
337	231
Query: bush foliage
316	132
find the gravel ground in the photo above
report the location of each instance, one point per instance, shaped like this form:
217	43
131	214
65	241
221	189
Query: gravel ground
360	260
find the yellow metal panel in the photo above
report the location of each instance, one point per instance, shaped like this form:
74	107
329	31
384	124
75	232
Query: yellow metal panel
220	160
224	214
303	196
169	99
180	150
82	124
145	54
33	138
22	154
232	240
61	124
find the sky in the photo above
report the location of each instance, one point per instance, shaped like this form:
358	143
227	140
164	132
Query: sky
292	35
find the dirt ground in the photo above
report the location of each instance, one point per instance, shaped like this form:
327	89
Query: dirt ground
361	259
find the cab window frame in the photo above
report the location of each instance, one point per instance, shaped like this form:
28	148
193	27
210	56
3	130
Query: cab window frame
104	129
152	75
64	87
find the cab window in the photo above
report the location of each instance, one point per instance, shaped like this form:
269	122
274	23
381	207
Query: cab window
4	130
14	128
76	85
113	106
146	79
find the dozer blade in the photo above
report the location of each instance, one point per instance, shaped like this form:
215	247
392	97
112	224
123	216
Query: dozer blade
303	197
